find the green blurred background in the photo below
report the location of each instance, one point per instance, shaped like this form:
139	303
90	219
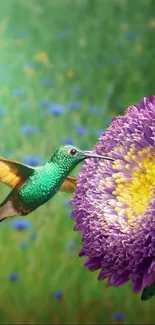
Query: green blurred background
67	67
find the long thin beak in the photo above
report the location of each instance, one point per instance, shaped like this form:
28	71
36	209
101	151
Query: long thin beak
89	154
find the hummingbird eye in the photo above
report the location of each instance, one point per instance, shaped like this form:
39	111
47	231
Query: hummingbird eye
73	152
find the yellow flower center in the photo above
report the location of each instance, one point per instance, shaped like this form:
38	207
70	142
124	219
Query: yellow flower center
135	190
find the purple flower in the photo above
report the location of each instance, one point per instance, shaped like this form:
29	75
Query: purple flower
114	202
56	109
32	160
21	224
13	277
29	129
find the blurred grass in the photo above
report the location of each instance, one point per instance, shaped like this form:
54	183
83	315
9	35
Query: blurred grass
106	48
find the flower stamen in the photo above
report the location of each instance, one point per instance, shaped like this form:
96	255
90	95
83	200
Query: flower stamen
137	193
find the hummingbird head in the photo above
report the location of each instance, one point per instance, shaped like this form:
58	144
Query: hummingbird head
70	156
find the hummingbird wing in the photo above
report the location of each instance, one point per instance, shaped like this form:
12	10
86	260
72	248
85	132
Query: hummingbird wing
14	173
68	185
148	292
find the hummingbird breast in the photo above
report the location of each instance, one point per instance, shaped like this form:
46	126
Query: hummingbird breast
40	187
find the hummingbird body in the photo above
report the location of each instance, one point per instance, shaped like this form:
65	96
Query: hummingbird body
33	187
40	187
42	184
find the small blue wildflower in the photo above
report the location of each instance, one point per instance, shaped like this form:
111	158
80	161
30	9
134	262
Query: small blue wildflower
68	141
98	133
2	111
29	129
4	77
6	66
33	235
86	57
72	246
69	214
31	65
74	105
46	81
45	103
94	110
118	316
24	245
77	91
58	294
81	130
21	224
32	160
123	22
129	35
66	202
100	63
13	277
56	109
116	58
63	34
21	34
18	92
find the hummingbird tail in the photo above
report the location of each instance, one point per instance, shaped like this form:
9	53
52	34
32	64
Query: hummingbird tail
6	210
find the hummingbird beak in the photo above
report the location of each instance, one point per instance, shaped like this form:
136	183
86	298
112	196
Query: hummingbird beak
90	154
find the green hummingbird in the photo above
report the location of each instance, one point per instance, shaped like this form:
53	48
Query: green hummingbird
34	186
148	292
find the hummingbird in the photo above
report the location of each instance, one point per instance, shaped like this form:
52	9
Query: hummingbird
148	292
34	186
